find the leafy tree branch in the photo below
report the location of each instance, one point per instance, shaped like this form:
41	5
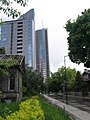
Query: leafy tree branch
79	38
7	7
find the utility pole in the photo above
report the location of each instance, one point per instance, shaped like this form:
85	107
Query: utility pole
65	82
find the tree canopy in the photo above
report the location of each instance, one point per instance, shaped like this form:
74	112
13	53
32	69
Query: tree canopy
56	82
7	7
79	38
78	81
32	82
70	74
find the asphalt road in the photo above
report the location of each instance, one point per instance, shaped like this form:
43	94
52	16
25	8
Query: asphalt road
83	103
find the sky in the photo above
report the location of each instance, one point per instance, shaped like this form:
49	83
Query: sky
53	15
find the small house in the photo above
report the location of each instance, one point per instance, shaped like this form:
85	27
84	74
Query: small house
11	84
86	76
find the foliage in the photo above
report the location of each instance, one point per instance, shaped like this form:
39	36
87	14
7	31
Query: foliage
33	109
71	78
29	110
7	7
32	82
51	111
1	118
70	75
2	50
56	82
79	38
8	108
6	64
80	85
78	81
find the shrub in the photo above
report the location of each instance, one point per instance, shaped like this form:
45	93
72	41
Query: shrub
8	108
1	118
29	110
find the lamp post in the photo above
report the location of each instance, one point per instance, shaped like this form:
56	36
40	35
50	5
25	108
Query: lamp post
65	82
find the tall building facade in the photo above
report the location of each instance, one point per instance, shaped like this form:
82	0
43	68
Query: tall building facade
18	37
42	52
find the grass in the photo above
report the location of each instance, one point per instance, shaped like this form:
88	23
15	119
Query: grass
8	108
51	111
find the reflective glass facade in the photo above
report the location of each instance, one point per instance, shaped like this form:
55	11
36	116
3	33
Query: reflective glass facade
3	35
30	43
18	37
42	57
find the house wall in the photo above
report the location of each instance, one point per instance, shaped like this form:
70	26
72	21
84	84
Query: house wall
19	86
5	85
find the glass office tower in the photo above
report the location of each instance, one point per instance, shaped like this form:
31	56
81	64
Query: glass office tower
42	52
18	37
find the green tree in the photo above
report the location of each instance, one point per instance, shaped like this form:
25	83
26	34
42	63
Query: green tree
32	82
70	74
71	78
79	38
78	82
7	7
56	82
53	84
80	85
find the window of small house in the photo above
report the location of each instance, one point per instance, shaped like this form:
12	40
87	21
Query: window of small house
12	83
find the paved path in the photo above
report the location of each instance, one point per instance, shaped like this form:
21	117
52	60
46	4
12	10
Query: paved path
80	102
74	112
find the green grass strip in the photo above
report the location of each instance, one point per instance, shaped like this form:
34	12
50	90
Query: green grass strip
52	112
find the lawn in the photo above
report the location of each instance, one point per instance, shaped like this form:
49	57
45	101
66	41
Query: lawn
51	111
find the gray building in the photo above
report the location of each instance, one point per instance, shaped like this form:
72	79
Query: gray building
18	38
42	52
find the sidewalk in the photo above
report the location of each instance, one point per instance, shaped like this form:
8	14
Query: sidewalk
72	111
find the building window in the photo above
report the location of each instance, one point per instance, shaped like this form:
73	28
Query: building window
19	48
19	40
11	82
19	36
19	51
19	44
19	29
20	22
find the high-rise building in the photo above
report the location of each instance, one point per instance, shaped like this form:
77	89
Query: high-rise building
42	52
18	37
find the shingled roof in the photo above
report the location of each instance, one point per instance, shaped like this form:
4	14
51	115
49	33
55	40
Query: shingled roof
20	60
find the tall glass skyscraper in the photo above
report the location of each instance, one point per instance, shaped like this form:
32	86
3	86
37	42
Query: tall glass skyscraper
18	37
42	53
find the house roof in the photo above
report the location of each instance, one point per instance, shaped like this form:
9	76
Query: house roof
86	72
19	58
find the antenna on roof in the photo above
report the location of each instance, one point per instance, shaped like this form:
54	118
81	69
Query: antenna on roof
42	24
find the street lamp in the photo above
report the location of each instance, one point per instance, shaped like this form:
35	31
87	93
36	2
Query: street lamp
65	80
